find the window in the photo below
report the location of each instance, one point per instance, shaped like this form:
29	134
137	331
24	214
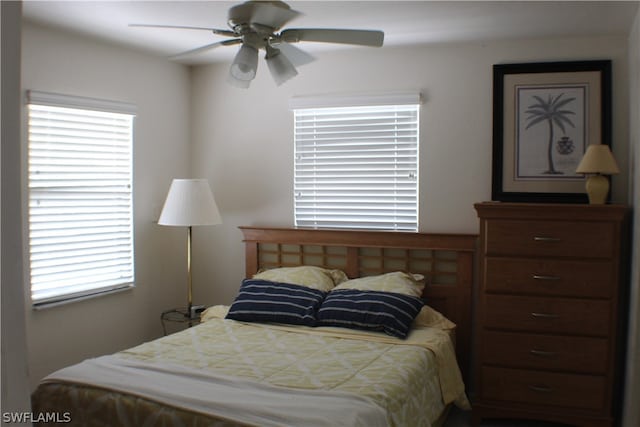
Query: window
80	196
357	166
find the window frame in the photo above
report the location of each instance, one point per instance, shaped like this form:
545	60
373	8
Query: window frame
358	104
121	183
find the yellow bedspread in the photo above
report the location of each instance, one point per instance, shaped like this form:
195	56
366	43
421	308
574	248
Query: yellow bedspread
411	380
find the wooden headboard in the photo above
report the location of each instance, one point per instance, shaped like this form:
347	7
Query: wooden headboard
446	260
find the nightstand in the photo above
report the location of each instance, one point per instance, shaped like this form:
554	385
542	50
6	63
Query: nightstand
178	315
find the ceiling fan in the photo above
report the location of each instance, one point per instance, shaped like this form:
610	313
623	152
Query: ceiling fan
256	25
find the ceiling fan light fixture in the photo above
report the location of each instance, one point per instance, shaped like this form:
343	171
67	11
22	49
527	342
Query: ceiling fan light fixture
280	67
241	84
245	64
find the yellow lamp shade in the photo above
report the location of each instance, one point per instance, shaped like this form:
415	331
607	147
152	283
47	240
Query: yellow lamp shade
598	161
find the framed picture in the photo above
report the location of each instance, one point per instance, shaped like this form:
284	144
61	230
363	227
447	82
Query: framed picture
544	117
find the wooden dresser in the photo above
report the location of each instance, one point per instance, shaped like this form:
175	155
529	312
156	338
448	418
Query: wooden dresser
549	312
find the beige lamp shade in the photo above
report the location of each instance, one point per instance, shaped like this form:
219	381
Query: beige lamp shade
189	202
598	159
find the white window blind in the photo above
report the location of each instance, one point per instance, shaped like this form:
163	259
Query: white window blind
357	167
80	196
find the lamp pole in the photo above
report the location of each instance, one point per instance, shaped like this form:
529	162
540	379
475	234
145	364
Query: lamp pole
189	292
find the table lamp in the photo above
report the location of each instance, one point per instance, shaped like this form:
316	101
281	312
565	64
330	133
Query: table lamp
189	203
598	162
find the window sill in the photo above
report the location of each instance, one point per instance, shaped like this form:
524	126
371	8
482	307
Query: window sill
64	300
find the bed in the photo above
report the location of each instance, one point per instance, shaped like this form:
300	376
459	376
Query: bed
233	371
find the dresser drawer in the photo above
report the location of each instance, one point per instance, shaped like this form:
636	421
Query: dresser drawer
552	315
588	279
545	352
543	388
549	238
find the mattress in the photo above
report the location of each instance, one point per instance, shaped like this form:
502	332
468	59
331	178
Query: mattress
222	372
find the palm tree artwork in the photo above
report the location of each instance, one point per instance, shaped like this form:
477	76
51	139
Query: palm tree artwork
551	112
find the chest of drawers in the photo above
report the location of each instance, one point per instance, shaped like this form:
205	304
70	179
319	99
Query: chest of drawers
549	312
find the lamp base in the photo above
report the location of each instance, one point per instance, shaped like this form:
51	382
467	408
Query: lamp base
597	188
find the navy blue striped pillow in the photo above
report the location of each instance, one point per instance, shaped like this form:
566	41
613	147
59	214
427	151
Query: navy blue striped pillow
266	301
389	312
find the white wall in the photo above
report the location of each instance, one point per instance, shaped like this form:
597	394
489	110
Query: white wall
69	64
243	138
15	384
632	391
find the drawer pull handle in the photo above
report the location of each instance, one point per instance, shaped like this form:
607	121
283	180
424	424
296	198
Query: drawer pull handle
545	315
543	353
545	239
542	277
540	388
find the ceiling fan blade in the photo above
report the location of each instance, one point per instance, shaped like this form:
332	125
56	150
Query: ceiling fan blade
205	48
273	14
326	35
184	27
297	56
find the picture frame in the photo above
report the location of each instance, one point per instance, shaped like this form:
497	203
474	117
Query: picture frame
544	117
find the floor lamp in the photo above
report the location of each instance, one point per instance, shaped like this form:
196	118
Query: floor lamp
189	203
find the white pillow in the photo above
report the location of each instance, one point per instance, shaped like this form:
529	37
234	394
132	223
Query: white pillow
307	275
433	319
398	282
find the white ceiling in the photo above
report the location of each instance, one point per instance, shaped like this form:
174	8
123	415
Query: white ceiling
404	22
